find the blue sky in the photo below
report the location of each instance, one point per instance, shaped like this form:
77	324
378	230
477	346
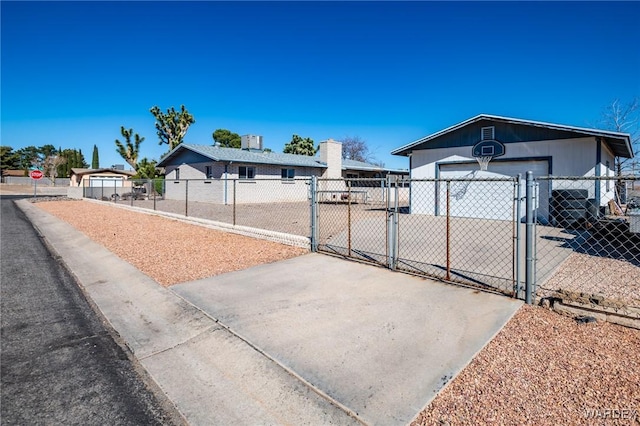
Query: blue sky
388	72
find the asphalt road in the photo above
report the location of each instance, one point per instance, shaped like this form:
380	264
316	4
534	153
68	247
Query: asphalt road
59	364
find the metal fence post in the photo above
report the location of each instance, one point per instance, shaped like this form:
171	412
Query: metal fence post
529	235
153	189
518	236
234	202
395	234
186	198
349	217
314	213
448	277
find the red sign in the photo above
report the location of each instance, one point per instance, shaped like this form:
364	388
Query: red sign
36	174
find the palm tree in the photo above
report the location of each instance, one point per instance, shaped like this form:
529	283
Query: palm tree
129	151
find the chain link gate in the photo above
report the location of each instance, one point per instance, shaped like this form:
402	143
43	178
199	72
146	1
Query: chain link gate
462	230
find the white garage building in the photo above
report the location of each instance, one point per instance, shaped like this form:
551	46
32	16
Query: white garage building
515	147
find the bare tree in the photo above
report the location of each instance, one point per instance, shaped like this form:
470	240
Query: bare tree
356	148
50	165
625	118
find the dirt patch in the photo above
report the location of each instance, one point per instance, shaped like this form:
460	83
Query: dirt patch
169	251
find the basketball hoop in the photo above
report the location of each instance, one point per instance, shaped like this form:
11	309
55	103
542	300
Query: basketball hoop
484	162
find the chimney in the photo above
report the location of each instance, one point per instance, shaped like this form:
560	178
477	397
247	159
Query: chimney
331	155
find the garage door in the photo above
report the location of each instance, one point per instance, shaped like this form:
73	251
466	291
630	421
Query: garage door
508	168
106	181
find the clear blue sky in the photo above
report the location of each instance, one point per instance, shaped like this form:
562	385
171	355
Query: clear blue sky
388	72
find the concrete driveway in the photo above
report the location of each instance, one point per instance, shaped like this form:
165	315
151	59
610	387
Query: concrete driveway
377	342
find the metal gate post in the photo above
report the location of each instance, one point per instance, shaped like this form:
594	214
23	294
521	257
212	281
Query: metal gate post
529	235
518	236
348	182
392	227
396	225
388	213
448	276
314	213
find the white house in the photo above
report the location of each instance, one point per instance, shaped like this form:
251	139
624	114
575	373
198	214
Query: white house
514	146
257	175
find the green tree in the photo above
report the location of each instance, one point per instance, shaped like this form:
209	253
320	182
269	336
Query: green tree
29	157
74	160
129	150
227	138
47	150
95	161
300	146
172	126
146	169
9	159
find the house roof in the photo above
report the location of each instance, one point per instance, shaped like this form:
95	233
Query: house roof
620	143
80	172
236	155
8	172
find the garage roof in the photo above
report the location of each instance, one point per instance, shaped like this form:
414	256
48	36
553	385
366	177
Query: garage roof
80	172
620	143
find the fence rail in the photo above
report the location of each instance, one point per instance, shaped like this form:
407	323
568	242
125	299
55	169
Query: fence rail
524	238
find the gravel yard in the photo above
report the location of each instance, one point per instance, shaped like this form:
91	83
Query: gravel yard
545	369
614	279
169	251
542	368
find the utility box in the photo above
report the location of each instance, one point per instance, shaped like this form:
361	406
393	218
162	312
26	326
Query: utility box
634	222
251	142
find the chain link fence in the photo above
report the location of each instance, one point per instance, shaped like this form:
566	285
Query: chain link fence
589	248
463	231
278	205
584	232
458	230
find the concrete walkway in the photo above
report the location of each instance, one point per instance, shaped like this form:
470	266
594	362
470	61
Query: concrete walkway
311	340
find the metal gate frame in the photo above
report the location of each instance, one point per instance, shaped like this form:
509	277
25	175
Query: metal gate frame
391	257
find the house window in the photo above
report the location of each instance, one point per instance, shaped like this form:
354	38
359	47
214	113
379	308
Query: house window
208	171
177	173
487	133
245	172
288	173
